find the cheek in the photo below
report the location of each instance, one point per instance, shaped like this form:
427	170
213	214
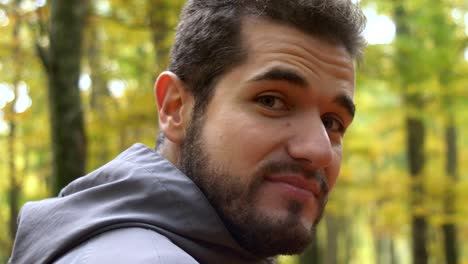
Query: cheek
333	170
239	141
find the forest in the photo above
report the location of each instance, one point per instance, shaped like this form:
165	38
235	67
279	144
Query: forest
76	85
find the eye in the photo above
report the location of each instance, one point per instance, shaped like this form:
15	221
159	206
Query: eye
333	123
272	102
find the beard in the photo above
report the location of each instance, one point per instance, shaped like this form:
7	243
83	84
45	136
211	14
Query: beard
235	201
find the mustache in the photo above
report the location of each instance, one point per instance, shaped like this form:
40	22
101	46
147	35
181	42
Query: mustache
297	168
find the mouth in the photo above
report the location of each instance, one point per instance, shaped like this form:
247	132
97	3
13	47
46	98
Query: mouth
299	185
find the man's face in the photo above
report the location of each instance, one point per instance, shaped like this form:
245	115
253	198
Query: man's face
268	148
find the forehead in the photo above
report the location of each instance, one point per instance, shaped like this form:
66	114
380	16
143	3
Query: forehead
266	42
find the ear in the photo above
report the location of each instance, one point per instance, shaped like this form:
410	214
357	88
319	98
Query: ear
175	105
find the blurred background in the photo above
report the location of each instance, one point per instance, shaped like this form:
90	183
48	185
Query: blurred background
76	81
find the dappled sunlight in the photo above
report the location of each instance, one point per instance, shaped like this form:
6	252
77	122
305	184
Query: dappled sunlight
411	90
117	88
4	20
24	101
6	94
85	82
380	29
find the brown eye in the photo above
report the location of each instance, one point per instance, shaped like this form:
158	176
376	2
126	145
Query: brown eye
333	124
272	102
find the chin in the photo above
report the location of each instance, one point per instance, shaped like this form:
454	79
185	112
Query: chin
269	232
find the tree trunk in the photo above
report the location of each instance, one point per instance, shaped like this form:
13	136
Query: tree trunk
66	114
348	242
385	252
14	187
332	226
415	145
415	131
393	255
158	12
99	93
99	89
312	254
449	229
379	250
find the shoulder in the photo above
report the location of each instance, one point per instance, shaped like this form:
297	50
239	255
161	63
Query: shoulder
127	245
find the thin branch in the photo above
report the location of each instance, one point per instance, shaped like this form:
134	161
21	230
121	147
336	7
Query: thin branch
43	54
120	22
6	7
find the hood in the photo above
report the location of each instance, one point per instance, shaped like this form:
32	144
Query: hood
138	188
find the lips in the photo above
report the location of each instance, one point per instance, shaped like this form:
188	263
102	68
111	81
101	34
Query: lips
300	182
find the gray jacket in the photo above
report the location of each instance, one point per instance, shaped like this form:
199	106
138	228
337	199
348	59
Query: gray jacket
138	208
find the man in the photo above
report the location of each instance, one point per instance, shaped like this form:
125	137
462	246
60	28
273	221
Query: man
252	114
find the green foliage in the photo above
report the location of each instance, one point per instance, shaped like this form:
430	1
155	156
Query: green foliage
126	46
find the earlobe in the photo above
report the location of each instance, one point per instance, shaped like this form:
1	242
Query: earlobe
174	106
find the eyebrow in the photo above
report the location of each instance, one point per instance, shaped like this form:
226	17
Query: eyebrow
347	103
287	75
281	74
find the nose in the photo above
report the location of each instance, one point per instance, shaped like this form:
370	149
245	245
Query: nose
310	143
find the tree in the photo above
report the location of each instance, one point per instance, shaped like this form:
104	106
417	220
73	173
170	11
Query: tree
313	252
369	216
14	184
415	128
445	34
62	64
160	13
